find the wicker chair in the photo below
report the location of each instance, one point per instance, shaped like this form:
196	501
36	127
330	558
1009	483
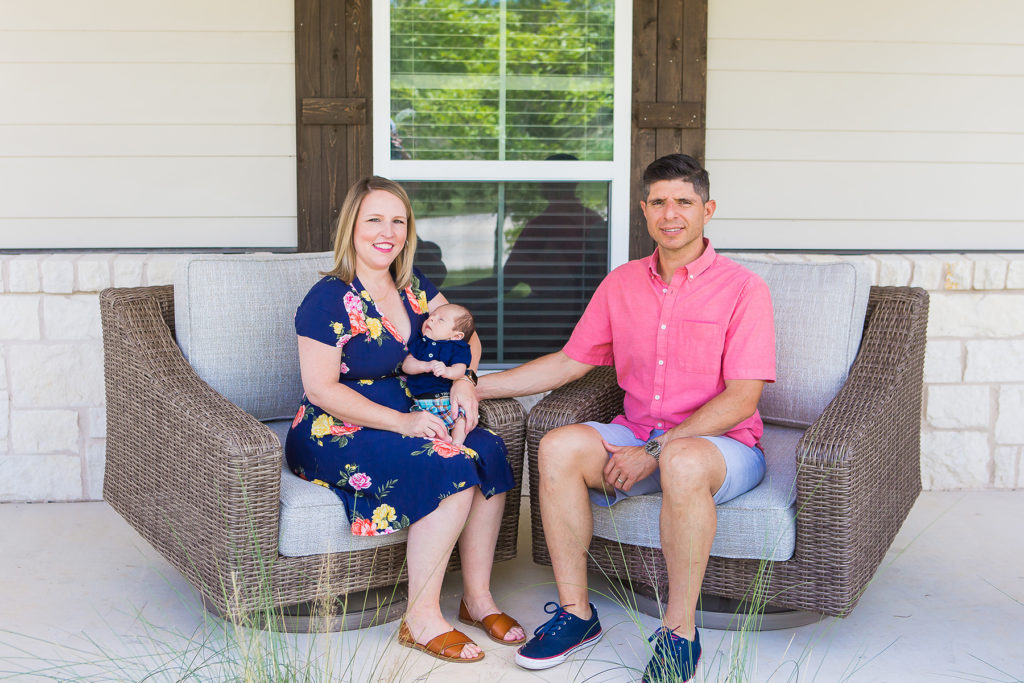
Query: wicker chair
200	479
857	474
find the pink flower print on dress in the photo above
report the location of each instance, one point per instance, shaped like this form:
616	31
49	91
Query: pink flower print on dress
343	429
359	481
391	329
355	313
344	369
298	416
343	340
414	303
445	450
363	527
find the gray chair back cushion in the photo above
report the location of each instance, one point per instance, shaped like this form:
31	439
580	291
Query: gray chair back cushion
234	316
758	525
819	319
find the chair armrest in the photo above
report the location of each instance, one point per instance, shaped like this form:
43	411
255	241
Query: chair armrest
594	397
858	465
197	476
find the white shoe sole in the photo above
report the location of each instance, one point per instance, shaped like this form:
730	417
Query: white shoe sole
538	664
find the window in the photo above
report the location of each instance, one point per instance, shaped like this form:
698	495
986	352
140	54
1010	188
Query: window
508	122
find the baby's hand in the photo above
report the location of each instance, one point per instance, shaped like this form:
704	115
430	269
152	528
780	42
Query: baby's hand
438	368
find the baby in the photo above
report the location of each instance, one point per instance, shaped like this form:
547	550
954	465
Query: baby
436	358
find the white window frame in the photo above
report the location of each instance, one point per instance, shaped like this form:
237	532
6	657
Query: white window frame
615	172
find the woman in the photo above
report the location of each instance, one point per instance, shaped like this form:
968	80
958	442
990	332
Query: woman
354	433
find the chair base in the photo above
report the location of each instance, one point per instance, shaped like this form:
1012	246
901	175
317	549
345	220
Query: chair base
361	609
728	614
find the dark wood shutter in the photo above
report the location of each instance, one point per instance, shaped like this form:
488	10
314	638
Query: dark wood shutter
333	87
670	39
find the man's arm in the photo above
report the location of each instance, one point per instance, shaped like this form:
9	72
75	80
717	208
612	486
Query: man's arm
541	374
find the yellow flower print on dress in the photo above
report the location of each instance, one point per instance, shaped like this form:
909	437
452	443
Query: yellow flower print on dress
383	516
321	426
376	329
470	453
338	328
320	482
422	301
366	381
365	295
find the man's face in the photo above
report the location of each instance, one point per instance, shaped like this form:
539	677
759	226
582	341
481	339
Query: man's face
676	216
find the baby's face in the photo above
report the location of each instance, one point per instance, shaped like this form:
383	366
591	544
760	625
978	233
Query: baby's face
440	325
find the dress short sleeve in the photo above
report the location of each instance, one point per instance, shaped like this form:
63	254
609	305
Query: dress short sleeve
421	283
321	315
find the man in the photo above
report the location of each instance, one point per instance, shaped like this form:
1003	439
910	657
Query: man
691	336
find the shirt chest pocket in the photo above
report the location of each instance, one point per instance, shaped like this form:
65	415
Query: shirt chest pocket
700	345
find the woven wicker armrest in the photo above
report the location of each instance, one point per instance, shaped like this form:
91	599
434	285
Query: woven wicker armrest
882	394
594	397
196	475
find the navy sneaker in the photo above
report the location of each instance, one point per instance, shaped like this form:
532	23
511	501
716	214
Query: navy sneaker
675	658
558	638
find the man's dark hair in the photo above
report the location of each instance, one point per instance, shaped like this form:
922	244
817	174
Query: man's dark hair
678	167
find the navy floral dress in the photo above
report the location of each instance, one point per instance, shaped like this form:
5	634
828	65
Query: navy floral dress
386	480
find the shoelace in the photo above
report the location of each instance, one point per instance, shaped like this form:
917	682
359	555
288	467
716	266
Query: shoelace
554	623
661	632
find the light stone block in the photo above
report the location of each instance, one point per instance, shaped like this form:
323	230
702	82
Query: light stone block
954	460
958	272
96	422
1015	272
72	317
893	270
95	462
42	376
37	478
44	431
943	361
23	274
989	271
58	273
19	317
128	270
1010	423
976	315
929	272
959	406
5	416
994	360
1006	467
93	272
160	268
3	369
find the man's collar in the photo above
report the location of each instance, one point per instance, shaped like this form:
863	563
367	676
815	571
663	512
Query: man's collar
693	268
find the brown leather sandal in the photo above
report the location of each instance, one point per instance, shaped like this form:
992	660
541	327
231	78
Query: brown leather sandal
494	625
447	646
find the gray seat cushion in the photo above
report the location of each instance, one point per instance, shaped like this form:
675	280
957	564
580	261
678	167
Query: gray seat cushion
819	319
234	317
760	524
313	519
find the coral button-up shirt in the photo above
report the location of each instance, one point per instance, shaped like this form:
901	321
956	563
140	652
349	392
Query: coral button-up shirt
674	344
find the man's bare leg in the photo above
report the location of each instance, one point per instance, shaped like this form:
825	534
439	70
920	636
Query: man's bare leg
571	459
692	470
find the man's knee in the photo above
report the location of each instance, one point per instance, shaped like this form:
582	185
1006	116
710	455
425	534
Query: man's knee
690	464
565	448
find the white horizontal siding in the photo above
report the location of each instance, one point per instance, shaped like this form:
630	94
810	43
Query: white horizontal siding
144	125
866	126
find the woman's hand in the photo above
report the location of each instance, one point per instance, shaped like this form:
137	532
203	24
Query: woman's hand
463	394
423	424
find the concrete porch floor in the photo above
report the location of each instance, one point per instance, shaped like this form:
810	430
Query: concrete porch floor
83	597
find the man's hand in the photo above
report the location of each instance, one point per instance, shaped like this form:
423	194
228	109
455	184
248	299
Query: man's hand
463	394
627	465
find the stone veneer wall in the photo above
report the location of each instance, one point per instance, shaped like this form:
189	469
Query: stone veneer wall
52	422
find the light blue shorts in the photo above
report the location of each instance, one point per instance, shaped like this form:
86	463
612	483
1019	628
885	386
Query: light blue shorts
744	465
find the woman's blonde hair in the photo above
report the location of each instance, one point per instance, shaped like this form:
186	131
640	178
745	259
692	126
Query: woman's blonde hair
344	248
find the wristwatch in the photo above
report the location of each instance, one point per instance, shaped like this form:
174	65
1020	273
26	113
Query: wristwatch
653	449
471	376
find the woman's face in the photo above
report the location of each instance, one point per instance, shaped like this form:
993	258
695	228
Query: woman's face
380	230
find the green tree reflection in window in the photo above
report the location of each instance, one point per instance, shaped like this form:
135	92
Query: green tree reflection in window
502	80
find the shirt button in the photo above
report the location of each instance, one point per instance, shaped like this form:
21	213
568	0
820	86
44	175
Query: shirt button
691	277
663	327
433	343
430	355
664	290
659	425
657	397
661	362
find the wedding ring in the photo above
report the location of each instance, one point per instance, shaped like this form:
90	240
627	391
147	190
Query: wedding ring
620	479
